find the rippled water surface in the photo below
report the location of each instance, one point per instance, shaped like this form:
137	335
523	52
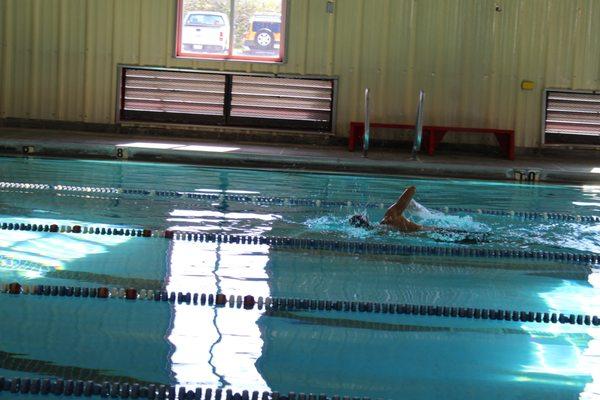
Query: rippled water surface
355	354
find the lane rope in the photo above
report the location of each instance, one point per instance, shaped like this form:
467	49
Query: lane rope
80	388
340	246
289	201
250	302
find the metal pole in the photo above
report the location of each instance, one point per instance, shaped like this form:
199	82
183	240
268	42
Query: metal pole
367	134
418	127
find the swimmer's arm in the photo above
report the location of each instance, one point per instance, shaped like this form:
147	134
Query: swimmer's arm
400	205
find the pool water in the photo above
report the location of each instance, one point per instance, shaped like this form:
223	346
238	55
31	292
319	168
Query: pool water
334	352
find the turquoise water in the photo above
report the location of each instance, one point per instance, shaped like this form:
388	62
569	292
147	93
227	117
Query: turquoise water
355	354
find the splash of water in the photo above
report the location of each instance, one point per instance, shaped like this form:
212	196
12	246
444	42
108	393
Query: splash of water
422	215
329	223
338	225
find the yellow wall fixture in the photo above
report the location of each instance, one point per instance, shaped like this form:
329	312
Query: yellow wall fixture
58	58
527	85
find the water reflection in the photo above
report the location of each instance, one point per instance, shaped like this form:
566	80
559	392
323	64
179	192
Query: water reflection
408	357
244	223
246	350
328	352
217	347
32	254
583	357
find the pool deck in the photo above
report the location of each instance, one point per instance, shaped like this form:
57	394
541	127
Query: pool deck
581	168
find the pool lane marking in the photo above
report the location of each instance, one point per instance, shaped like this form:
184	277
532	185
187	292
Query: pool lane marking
282	242
250	302
24	363
395	327
8	263
287	201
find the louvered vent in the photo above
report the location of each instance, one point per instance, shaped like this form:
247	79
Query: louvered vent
169	96
302	103
190	97
572	117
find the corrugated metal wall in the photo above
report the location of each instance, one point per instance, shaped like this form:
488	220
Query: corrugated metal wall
59	57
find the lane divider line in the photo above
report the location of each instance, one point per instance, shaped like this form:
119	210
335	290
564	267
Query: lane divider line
80	388
290	201
250	302
351	247
354	247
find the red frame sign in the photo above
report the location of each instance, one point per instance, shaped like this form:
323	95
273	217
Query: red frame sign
230	56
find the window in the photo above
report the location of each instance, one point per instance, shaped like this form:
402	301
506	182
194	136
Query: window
231	29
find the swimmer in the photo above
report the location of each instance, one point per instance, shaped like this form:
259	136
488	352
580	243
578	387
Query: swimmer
394	219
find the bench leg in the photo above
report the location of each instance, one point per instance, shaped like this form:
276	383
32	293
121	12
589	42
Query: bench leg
507	144
435	137
351	141
511	146
431	142
425	139
356	135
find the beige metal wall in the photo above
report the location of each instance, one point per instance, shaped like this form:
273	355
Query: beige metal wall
59	57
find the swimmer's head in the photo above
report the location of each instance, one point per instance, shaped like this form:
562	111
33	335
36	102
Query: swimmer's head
360	221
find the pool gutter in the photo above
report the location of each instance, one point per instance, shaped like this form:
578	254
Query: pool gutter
304	158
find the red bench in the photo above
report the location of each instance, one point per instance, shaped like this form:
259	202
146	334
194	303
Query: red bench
433	135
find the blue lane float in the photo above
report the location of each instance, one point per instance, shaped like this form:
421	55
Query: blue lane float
269	304
80	388
55	228
354	247
285	201
524	215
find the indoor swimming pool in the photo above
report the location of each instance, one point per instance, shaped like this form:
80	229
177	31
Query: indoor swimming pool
336	310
